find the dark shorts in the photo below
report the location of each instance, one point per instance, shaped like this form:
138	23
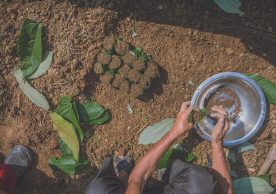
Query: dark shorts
183	178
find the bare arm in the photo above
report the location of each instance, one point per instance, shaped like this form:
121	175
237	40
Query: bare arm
148	163
220	166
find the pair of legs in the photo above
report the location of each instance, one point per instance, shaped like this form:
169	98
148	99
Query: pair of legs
180	178
16	164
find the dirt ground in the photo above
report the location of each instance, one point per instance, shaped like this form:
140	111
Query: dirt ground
188	40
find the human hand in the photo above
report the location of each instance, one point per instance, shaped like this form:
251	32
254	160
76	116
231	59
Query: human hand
222	125
182	123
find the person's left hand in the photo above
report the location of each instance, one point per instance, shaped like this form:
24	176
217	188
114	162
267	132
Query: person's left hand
182	123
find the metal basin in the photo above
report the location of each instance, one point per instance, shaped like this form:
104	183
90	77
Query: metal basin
252	101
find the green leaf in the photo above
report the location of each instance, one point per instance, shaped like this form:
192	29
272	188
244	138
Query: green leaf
230	6
26	40
140	54
89	111
163	163
152	134
68	164
92	113
35	96
67	109
103	119
44	66
176	152
265	177
67	133
64	148
29	47
202	115
137	52
268	87
251	185
190	157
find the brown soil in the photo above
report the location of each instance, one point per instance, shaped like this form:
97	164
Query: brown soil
118	79
152	70
115	62
188	42
134	76
227	98
196	116
121	47
106	78
109	43
136	90
128	58
98	68
139	65
144	81
103	58
124	70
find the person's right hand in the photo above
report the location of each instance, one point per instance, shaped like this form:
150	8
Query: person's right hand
182	124
222	125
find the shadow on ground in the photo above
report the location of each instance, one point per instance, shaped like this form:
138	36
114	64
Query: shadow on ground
254	29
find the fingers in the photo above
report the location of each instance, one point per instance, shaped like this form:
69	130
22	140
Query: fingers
220	110
221	120
185	106
226	126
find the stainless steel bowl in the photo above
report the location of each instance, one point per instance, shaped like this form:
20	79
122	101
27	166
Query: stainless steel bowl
253	107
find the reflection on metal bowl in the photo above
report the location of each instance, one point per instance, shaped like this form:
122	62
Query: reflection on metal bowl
253	107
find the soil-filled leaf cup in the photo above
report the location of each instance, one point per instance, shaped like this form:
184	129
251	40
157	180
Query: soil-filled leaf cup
197	115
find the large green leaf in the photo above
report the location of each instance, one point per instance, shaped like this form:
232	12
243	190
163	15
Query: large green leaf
44	66
175	152
89	111
67	109
35	96
64	148
67	133
268	87
26	40
68	164
251	185
29	47
163	163
152	134
92	113
230	6
103	119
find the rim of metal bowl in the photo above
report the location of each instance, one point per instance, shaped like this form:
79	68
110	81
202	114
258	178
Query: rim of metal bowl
258	90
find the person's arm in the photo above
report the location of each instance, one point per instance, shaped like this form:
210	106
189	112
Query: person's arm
219	165
148	163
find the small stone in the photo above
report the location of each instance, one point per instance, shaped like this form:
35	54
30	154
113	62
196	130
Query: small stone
76	91
88	133
242	55
53	143
82	96
74	65
273	179
251	169
229	51
264	55
51	71
160	7
261	65
82	73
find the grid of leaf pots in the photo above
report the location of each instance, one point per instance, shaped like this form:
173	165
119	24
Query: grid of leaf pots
125	67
